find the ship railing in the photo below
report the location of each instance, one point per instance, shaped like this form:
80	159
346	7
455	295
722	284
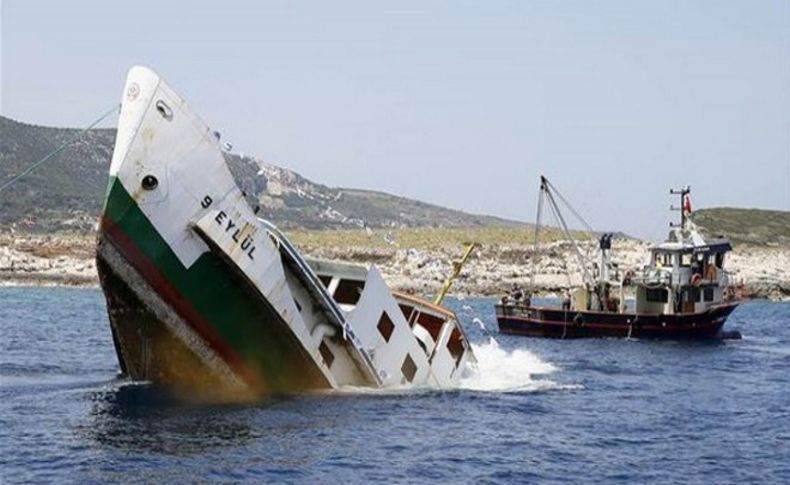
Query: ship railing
652	277
319	290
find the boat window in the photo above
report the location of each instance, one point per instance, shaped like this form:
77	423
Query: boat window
431	323
660	295
719	260
385	326
325	280
685	259
407	311
665	259
409	368
708	293
326	353
455	344
348	291
692	294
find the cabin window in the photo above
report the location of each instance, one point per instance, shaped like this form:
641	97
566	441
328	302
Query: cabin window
409	368
456	345
348	291
719	260
708	293
431	323
326	353
685	259
665	259
692	294
385	326
657	295
407	311
325	280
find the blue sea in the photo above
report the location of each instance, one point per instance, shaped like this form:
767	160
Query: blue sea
535	411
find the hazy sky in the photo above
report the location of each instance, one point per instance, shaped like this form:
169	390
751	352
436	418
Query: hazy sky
462	104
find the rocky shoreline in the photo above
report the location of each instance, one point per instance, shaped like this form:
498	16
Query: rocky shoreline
68	260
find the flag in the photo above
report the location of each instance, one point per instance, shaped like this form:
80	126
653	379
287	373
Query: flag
687	204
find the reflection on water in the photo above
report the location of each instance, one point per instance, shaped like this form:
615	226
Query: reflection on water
142	417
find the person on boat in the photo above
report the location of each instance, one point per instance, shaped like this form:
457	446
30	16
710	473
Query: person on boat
566	300
516	293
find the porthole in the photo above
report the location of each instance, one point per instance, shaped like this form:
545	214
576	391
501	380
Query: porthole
164	110
149	182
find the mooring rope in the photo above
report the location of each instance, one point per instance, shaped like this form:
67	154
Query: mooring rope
54	152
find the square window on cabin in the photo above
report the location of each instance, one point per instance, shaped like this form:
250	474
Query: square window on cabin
385	326
348	291
692	294
409	368
455	344
326	353
657	295
708	293
685	259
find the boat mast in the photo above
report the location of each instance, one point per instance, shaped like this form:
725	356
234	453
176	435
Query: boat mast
549	189
683	193
535	253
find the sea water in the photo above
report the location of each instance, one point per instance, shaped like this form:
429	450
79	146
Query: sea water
534	410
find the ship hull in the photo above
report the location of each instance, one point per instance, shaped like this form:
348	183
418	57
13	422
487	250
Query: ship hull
207	299
201	329
558	323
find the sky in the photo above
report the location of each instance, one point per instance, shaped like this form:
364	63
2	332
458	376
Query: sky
462	104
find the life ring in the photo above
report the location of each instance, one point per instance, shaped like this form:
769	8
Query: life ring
696	279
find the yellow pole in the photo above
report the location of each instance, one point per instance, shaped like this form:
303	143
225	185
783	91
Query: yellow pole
457	265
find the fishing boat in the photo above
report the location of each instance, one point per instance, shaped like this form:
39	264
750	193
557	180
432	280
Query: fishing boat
683	293
209	300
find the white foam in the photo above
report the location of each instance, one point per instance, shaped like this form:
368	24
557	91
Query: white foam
500	370
496	370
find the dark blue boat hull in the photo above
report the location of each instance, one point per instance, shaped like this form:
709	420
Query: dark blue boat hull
558	323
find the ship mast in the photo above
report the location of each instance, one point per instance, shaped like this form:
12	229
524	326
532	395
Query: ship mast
683	193
547	191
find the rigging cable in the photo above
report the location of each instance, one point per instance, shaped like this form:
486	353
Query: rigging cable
582	263
535	250
57	150
587	247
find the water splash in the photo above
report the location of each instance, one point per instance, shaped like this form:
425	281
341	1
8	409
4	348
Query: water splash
500	370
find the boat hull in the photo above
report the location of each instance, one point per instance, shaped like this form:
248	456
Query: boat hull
202	329
205	297
558	323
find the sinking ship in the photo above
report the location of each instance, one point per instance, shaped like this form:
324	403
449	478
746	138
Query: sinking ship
684	292
207	299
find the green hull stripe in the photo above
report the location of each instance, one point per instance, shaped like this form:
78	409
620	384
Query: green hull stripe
222	298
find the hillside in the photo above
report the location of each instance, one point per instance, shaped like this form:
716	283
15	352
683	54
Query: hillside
746	226
66	193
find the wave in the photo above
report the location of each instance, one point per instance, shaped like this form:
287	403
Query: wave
501	370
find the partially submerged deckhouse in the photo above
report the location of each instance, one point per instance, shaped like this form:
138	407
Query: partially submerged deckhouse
207	299
683	292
